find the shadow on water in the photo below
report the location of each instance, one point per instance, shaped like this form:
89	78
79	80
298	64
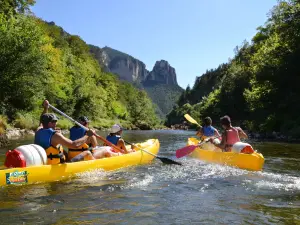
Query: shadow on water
196	193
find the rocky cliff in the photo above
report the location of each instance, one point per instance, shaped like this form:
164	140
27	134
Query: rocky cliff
160	84
162	73
125	66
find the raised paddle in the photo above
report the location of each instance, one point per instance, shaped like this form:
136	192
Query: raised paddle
96	135
163	159
191	120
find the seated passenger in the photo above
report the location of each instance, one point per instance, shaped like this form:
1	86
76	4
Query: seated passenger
91	143
53	141
115	138
207	130
230	136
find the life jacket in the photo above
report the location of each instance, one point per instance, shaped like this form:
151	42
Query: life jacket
232	137
55	154
208	131
113	139
74	152
77	132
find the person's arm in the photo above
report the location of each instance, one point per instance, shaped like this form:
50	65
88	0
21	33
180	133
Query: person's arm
217	134
46	107
122	146
58	138
94	141
242	134
223	142
200	132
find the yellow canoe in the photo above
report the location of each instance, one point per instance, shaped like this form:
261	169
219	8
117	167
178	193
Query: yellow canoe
253	161
48	173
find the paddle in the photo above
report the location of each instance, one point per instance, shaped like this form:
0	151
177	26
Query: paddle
191	120
188	149
163	159
96	135
185	151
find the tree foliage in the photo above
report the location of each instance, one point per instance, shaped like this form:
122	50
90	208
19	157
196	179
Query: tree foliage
39	60
259	86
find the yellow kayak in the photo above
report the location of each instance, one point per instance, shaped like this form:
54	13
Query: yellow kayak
254	161
48	173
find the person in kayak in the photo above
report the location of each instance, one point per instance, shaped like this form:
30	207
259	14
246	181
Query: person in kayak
207	130
77	132
230	136
115	138
53	141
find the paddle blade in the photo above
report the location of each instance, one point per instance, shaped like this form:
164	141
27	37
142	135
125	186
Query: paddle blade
191	120
168	161
185	151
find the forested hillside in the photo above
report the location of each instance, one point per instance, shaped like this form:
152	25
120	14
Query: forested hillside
259	87
39	60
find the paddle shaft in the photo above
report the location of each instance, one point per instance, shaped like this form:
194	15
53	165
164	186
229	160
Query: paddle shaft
142	149
162	159
79	124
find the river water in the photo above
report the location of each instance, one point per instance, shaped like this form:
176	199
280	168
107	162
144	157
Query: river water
195	193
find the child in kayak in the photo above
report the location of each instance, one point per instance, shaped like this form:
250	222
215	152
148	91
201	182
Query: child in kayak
115	138
230	136
207	130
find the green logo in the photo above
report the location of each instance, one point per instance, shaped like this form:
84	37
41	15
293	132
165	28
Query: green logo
17	177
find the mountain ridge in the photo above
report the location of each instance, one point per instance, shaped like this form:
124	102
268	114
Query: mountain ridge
162	79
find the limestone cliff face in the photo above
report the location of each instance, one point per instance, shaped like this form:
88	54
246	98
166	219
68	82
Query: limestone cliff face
128	69
160	84
162	73
133	70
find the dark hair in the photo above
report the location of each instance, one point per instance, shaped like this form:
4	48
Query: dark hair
225	120
47	118
207	121
83	119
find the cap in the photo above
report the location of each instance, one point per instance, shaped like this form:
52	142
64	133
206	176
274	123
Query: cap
116	128
48	117
83	119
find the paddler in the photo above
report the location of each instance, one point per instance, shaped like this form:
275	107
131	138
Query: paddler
230	136
53	141
115	138
207	130
77	132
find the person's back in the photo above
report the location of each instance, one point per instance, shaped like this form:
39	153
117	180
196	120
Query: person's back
77	132
113	138
232	136
208	131
43	137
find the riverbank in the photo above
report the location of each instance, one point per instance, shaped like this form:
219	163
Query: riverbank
11	134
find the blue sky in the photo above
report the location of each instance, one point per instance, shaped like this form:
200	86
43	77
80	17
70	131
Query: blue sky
192	35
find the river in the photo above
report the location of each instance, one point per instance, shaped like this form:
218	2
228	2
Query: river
195	193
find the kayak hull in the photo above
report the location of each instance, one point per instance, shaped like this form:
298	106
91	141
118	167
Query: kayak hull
49	173
252	162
